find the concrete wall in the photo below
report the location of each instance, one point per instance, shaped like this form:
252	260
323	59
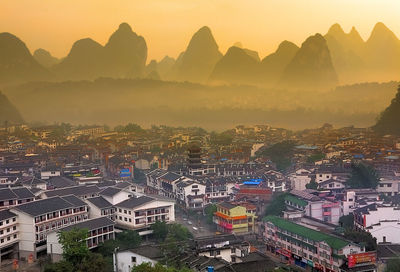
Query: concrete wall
125	263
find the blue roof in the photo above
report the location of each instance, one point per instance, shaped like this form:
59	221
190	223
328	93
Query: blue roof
358	156
251	183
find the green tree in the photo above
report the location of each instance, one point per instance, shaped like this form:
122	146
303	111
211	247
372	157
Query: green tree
361	237
393	265
147	267
315	157
363	176
277	205
77	257
95	263
74	246
209	211
160	230
280	154
347	221
124	240
62	266
179	232
312	185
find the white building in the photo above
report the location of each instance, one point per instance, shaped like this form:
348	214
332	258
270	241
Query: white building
386	231
190	193
38	218
99	206
115	195
125	260
141	212
8	235
46	174
99	229
300	179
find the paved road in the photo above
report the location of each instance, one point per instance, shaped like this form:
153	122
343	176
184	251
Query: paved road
196	223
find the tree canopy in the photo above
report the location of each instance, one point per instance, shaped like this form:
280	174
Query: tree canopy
393	265
277	205
312	185
361	237
363	176
280	154
76	255
147	267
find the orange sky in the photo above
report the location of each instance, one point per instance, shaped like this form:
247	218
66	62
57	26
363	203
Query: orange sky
167	25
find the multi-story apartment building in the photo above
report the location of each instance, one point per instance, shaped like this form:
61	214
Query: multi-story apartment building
141	212
99	206
8	234
36	219
322	208
99	229
10	197
81	191
314	250
231	218
190	194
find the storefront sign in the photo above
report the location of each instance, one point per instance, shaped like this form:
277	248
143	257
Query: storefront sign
359	258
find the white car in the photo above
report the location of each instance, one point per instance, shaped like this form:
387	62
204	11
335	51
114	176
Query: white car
190	222
196	229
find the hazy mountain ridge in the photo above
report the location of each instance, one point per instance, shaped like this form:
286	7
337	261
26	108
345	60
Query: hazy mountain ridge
389	120
125	54
8	112
44	58
16	62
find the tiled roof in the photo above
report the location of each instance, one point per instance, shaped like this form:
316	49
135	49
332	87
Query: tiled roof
99	202
295	200
44	206
110	191
7	194
135	202
91	224
334	242
77	202
75	190
6	214
23	193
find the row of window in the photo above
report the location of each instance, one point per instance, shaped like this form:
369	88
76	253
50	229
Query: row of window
8	230
7	221
12	202
61	223
8	238
57	214
143	213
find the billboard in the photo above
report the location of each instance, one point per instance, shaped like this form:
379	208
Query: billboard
125	173
360	258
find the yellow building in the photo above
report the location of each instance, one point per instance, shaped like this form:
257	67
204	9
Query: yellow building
231	218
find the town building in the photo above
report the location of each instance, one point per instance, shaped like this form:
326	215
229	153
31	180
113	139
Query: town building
141	212
231	218
314	250
9	237
100	230
36	219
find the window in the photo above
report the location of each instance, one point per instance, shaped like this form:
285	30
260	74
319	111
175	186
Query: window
7	221
133	259
233	250
218	252
15	236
